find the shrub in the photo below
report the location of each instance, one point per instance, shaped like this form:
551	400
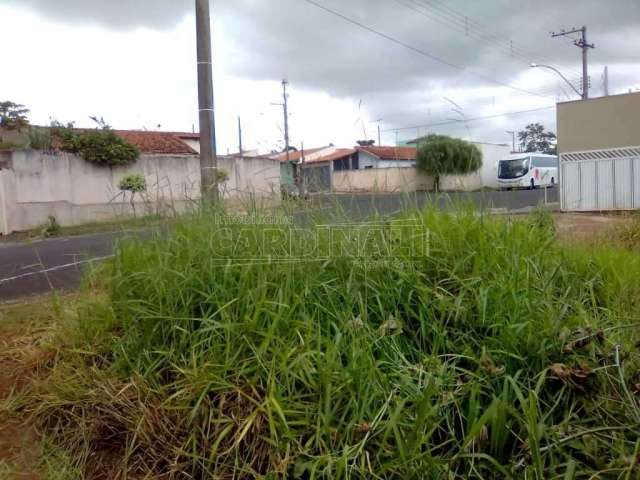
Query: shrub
40	138
441	155
134	183
100	147
222	176
51	228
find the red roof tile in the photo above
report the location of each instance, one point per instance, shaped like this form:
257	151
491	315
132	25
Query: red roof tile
296	156
391	153
337	155
156	142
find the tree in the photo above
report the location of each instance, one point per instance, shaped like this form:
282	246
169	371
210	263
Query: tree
13	116
441	155
535	139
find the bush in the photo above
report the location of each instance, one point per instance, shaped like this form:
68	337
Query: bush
51	228
222	176
441	155
240	352
40	138
134	183
100	147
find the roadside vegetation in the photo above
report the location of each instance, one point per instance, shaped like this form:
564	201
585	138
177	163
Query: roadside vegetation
266	351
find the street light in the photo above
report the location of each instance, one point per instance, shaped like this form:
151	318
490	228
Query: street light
535	65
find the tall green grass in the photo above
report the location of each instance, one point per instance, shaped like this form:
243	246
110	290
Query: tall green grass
263	351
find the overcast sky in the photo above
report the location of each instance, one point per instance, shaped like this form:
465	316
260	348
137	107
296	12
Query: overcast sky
133	63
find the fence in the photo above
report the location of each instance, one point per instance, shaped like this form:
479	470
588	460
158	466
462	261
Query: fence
600	180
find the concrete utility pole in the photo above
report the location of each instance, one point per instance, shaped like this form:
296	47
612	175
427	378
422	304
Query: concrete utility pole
584	46
285	106
240	138
606	81
208	157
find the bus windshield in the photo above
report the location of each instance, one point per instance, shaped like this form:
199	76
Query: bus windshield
513	168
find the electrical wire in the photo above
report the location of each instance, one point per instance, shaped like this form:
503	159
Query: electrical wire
420	51
464	25
463	19
463	120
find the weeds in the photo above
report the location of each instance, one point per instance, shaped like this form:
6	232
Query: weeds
52	228
628	235
266	351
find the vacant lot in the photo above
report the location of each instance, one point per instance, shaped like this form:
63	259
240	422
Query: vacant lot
433	346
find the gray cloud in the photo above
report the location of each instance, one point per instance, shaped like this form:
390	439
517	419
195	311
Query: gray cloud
271	39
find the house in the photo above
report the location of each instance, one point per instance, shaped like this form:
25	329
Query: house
386	157
291	165
599	149
318	170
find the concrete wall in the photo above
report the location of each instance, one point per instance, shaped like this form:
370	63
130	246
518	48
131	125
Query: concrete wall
461	183
250	177
599	123
384	180
35	185
401	179
492	153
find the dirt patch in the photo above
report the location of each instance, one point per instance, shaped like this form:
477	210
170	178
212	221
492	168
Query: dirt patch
588	226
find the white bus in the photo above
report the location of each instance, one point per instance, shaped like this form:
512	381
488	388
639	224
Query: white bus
528	170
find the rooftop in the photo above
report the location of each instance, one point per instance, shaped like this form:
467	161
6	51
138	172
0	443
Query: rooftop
391	153
336	155
157	142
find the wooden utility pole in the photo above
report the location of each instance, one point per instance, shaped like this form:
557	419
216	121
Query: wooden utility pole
208	156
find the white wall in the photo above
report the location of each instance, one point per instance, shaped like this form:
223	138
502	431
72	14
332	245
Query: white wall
400	179
491	155
383	180
35	185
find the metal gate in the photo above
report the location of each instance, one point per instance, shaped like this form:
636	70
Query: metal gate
4	225
317	179
600	180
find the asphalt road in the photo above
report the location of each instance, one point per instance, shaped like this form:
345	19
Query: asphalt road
58	264
358	207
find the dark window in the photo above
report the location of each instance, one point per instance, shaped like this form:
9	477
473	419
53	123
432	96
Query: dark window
509	169
341	164
355	162
545	162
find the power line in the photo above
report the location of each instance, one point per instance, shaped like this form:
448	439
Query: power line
419	50
469	25
452	122
465	26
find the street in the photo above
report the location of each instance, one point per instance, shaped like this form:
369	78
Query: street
58	264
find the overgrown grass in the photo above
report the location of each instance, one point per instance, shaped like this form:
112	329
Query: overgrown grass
243	352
